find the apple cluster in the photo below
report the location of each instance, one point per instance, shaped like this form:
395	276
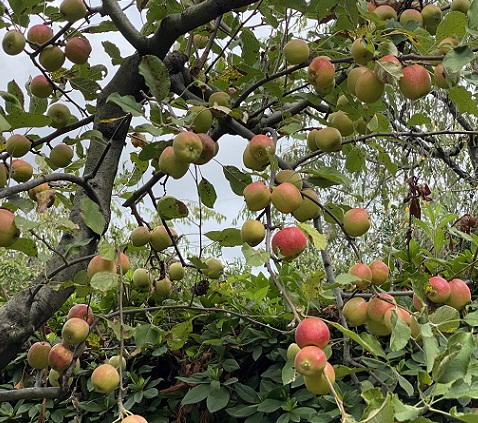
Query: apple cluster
375	273
312	335
455	293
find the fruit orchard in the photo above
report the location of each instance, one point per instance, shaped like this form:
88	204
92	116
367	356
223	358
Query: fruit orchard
352	296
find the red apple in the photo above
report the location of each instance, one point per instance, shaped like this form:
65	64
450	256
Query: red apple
312	331
377	307
438	290
460	294
39	34
257	196
9	232
363	272
60	357
134	418
77	50
310	361
286	197
289	243
261	147
379	272
99	264
41	87
415	82
82	311
321	74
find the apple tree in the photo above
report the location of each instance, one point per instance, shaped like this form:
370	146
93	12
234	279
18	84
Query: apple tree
342	285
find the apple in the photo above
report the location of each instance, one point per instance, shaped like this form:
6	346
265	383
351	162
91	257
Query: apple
385	12
356	222
257	196
438	290
286	197
342	122
318	384
170	164
312	331
253	232
140	236
411	15
362	271
105	378
74	331
402	314
432	16
122	261
352	77
362	51
220	98
21	171
40	86
187	147
13	42
309	207
72	10
289	243
385	66
379	272
9	232
210	149
460	294
163	287
176	271
368	88
134	418
115	361
61	155
261	147
311	144
160	239
415	82
296	51
52	58
447	44
321	73
99	264
289	175
39	34
310	361
54	378
328	139
60	115
214	268
250	162
78	50
417	303
200	41
203	118
37	356
82	311
18	145
355	311
460	5
3	175
441	79
292	351
60	357
377	306
142	280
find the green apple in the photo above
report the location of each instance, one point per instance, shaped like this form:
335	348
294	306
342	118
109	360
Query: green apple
13	42
60	115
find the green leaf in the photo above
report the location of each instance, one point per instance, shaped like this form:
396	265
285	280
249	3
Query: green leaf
106	250
156	76
288	372
179	334
146	334
10	101
457	58
17	92
91	215
463	100
326	177
384	414
20	119
25	245
269	405
355	160
430	345
105	281
246	393
217	400
229	237
242	411
169	208
419	119
254	258
471	417
4	124
24	224
319	240
400	333
404	412
207	193
237	180
446	319
250	47
113	51
453	24
127	103
196	394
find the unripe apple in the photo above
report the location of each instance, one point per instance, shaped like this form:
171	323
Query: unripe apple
296	51
253	232
309	207
368	88
318	384
432	16
3	175
355	311
417	303
160	239
60	357
18	145
200	41
362	271
415	82
122	261
187	147
82	311
286	197
203	118
140	236
9	232
342	122
40	86
60	115
54	378
105	378
74	331
460	5
312	331
134	418
289	175
379	272
13	42
52	58
311	144
39	34
220	98
170	164
257	196
163	287
356	222
328	139
61	155
310	361
21	171
439	289
460	294
377	306
116	361
261	147
378	328
411	15
99	264
37	355
321	73
385	66
176	271
289	243
385	12
447	44
292	351
440	77
210	149
142	280
250	162
72	10
214	268
362	51
78	50
352	77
